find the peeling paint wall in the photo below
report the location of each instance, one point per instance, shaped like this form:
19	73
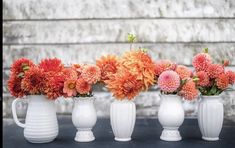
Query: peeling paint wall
81	31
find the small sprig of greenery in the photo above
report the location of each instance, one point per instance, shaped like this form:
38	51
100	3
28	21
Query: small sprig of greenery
131	38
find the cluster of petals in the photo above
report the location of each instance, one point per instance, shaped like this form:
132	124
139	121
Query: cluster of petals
201	61
91	73
108	65
204	79
222	81
183	71
140	64
14	86
124	84
214	70
163	65
189	90
51	65
70	87
231	76
82	86
20	66
169	81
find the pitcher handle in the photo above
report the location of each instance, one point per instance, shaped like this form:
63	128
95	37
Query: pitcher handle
13	107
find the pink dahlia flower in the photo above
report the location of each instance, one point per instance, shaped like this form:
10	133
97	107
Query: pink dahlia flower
201	61
169	81
214	70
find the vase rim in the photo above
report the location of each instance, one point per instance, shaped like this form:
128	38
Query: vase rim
210	97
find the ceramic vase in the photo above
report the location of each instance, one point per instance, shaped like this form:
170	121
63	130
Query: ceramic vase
84	118
122	117
41	125
210	117
171	117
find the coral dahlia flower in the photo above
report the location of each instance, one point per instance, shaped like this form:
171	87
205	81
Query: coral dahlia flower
204	79
231	76
14	86
82	86
91	73
108	65
222	81
214	70
183	71
70	73
163	65
201	61
169	81
140	64
124	85
70	87
77	68
20	66
189	90
54	86
51	65
33	81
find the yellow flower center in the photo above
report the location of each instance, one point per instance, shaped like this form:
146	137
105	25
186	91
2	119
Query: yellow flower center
71	86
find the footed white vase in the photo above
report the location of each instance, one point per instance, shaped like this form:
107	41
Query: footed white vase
84	118
41	124
210	117
122	117
171	117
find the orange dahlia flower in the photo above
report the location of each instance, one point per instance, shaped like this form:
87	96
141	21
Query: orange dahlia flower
14	86
189	90
51	65
82	86
33	81
163	65
91	73
108	65
222	81
141	65
20	66
231	76
214	70
124	84
204	79
70	87
183	71
77	68
201	61
70	73
54	86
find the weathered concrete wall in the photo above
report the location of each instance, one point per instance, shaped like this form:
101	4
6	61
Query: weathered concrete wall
81	31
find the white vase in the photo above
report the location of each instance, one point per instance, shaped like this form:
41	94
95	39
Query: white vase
122	117
41	125
210	117
84	118
171	117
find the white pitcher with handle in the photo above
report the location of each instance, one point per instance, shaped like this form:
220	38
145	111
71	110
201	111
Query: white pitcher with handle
41	124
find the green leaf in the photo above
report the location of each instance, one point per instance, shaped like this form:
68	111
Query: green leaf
144	49
206	50
131	38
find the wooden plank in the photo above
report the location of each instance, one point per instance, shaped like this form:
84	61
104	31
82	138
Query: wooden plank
81	9
88	53
103	31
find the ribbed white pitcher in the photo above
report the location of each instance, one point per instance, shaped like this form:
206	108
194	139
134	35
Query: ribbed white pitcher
122	116
210	117
41	124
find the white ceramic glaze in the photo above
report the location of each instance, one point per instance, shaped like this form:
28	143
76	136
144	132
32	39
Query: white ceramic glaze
122	117
41	124
171	117
210	117
84	118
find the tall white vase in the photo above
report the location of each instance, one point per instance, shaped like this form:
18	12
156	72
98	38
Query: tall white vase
210	117
84	118
41	124
171	117
122	116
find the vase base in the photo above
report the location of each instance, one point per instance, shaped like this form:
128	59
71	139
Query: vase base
170	135
210	139
122	139
84	136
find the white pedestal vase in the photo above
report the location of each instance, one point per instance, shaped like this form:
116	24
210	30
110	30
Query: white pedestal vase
41	125
122	116
84	118
210	117
171	117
